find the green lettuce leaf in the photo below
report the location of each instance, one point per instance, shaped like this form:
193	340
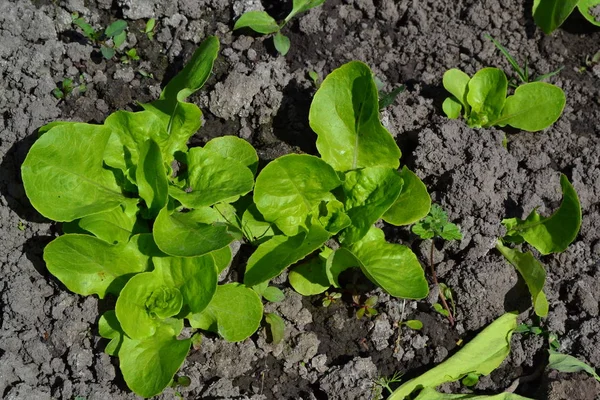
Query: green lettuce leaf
234	313
289	189
310	277
412	204
432	394
480	356
181	120
486	95
151	178
148	365
534	106
114	226
195	277
110	328
345	115
144	302
235	149
130	131
211	178
190	234
279	252
585	7
393	267
368	194
63	174
533	273
550	14
88	265
457	82
552	234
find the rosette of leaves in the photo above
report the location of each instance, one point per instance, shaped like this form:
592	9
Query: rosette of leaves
301	202
138	229
548	235
483	102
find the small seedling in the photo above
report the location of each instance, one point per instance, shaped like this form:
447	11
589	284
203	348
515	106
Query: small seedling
129	56
590	62
436	225
115	32
149	29
315	78
522	73
197	341
413	324
483	102
261	22
367	308
276	327
383	383
331	298
146	74
21	226
64	89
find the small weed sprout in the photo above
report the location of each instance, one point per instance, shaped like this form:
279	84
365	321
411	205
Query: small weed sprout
149	29
115	32
262	22
436	225
367	308
331	298
522	73
383	383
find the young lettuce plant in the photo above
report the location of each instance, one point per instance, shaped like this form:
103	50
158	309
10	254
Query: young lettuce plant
301	201
550	14
262	22
482	100
547	235
146	233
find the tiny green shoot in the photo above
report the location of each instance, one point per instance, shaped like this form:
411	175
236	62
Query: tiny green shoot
522	73
367	308
436	225
314	76
331	298
383	383
149	29
21	225
262	22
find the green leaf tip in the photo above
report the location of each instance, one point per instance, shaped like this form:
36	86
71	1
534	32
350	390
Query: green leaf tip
552	234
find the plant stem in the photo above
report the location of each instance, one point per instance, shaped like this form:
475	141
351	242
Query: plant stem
399	338
435	281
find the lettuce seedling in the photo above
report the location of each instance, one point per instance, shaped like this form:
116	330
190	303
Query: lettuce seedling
550	14
309	200
547	235
144	232
262	22
483	101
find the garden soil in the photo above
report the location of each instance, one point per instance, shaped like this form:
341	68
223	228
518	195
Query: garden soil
49	342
